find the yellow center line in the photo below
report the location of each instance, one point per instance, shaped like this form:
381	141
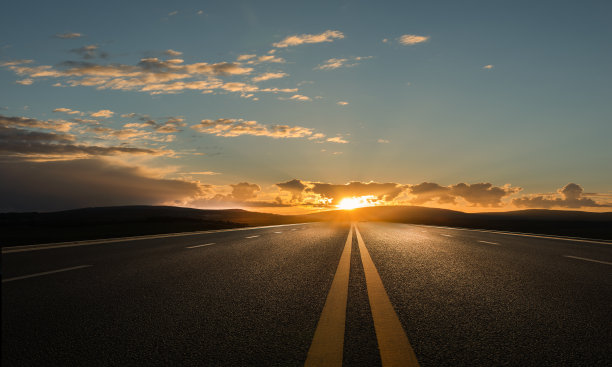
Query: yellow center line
393	344
328	341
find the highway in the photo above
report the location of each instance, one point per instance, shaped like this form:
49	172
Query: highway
362	294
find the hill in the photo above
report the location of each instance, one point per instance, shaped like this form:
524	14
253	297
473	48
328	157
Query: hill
120	221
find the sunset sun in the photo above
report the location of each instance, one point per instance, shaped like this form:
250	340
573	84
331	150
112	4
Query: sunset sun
356	202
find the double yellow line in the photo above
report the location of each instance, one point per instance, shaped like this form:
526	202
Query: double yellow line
328	342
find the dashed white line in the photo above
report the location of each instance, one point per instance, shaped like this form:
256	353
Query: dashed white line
490	243
278	232
252	236
446	235
206	244
44	273
585	259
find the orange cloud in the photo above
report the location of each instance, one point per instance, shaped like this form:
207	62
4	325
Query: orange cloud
327	36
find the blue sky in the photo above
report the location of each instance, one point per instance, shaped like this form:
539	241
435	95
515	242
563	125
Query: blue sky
512	94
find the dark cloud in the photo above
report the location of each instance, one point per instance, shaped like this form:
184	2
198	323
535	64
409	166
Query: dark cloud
57	185
295	187
572	196
382	191
478	194
25	143
12	121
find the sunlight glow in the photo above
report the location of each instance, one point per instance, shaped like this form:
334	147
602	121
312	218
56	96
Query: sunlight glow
357	202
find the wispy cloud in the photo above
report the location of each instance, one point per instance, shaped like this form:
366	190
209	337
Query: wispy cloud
238	127
327	36
67	111
299	97
383	141
332	64
269	76
488	67
171	52
26	81
68	35
342	103
412	39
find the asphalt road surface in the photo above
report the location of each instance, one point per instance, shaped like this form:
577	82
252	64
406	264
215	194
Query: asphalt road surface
316	294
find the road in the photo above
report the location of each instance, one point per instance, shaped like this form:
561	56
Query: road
306	293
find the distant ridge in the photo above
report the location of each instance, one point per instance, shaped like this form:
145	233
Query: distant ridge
118	221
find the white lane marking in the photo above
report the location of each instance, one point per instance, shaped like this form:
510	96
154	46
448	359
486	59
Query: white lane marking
252	236
206	244
446	235
293	229
574	239
278	232
45	273
585	259
490	243
48	246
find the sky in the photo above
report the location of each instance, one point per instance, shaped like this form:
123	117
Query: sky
291	107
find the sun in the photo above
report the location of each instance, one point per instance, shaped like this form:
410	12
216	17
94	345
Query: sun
356	202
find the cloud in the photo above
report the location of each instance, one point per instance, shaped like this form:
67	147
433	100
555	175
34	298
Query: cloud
383	141
571	196
412	39
342	103
333	64
478	194
254	60
488	67
68	35
238	127
81	183
172	13
327	36
26	81
299	97
244	191
53	146
269	76
337	139
103	113
57	125
16	62
67	111
206	173
295	187
89	52
245	57
150	75
20	137
171	52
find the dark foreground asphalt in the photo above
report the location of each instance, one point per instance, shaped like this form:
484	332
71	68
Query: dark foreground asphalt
512	300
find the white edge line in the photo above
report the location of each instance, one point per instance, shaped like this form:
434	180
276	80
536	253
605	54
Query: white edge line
574	239
585	259
490	243
45	273
446	235
252	236
46	246
206	244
